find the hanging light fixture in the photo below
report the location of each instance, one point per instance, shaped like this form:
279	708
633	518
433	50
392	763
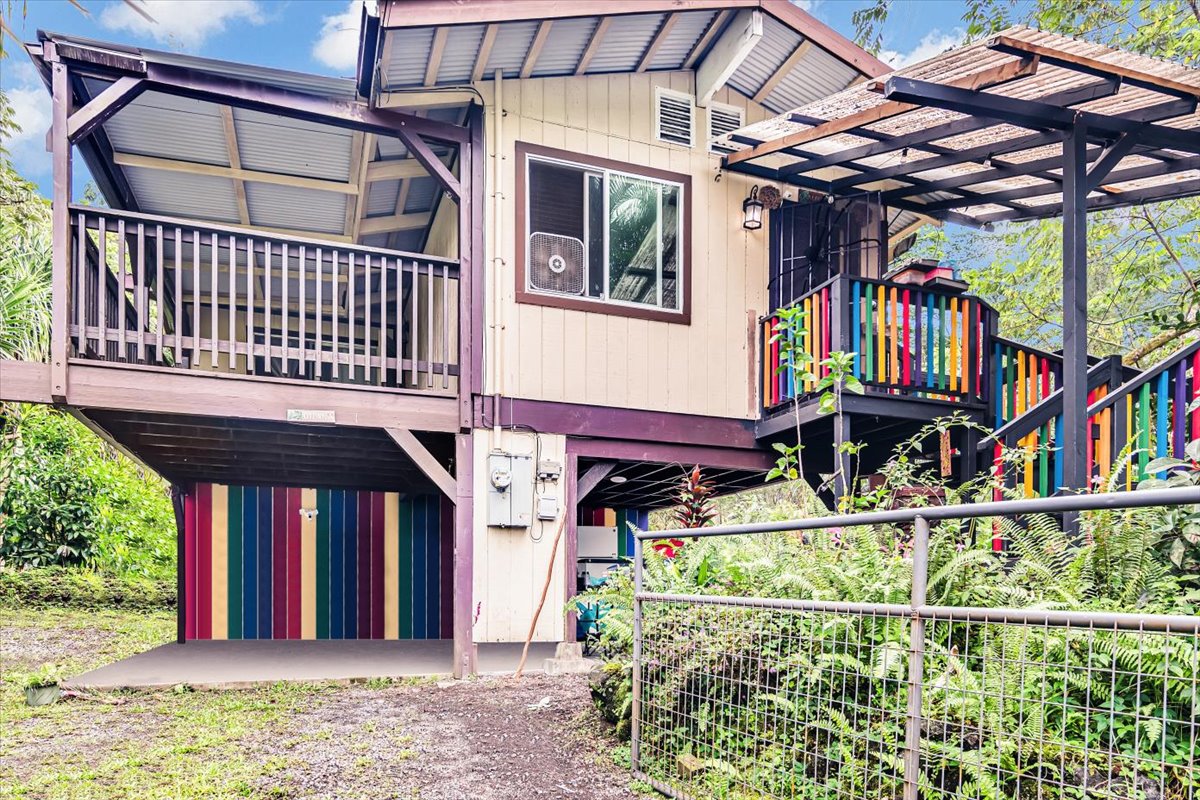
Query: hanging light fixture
752	211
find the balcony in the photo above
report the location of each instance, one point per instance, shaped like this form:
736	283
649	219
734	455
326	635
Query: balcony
224	301
909	342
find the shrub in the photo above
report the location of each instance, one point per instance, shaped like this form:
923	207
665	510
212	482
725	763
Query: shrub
85	589
66	499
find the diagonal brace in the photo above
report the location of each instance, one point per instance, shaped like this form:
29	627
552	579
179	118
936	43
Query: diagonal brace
420	456
591	479
420	150
103	106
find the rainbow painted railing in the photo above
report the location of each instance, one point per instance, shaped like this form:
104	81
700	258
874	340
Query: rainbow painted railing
908	341
1147	414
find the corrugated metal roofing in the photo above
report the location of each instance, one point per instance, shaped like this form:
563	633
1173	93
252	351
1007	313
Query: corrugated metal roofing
678	43
381	198
408	56
166	126
459	57
189	131
181	194
624	43
766	58
571	37
420	195
512	44
272	143
817	75
274	206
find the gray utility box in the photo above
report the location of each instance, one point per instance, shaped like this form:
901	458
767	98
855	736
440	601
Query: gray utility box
510	490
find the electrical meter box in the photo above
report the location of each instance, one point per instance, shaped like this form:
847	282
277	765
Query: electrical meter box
510	490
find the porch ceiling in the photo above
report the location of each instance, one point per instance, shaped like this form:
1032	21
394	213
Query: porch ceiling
656	485
434	43
976	134
185	448
180	156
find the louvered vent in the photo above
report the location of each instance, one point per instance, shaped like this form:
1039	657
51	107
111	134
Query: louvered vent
674	117
723	119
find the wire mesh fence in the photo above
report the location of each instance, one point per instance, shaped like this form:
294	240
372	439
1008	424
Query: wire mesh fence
739	697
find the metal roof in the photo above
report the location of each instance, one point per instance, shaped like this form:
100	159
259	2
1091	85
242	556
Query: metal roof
797	60
975	135
188	157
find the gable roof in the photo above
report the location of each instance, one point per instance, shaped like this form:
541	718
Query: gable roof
789	59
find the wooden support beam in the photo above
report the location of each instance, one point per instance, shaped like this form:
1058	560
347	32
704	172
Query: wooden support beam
103	106
429	465
235	162
535	48
108	438
591	479
357	172
409	100
710	33
664	30
394	222
360	200
395	170
885	110
593	45
727	54
1092	64
485	52
436	50
60	276
1108	159
218	171
787	66
420	150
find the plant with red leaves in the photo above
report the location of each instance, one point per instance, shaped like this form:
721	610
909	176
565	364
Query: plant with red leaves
695	509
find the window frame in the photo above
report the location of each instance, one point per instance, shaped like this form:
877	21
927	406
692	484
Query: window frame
525	294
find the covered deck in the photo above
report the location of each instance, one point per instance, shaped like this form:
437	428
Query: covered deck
1024	125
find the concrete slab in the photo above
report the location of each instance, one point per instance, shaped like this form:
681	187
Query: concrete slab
227	665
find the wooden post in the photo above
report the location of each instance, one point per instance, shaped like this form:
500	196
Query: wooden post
464	555
570	491
60	282
1075	308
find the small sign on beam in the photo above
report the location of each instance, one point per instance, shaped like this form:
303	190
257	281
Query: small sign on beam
312	415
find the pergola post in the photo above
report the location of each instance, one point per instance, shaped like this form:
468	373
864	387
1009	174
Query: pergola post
60	282
1075	180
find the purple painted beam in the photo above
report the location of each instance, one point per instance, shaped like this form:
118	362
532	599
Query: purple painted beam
575	419
665	453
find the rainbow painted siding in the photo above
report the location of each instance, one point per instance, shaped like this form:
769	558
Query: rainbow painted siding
907	341
264	562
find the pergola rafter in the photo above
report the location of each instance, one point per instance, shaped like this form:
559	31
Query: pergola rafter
1026	125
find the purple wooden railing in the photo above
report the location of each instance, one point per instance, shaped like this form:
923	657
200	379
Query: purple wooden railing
190	295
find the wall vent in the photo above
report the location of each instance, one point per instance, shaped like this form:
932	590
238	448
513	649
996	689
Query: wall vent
723	119
673	117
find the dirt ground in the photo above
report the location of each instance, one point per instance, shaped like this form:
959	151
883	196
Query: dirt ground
492	738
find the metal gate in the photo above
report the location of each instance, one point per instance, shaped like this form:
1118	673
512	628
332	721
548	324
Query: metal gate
750	697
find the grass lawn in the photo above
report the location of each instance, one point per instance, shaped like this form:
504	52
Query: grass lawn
487	739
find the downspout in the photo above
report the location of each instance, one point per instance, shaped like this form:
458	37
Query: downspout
497	255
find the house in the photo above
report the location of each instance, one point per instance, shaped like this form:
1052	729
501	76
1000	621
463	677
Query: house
404	344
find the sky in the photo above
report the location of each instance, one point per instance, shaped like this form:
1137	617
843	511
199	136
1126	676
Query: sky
320	36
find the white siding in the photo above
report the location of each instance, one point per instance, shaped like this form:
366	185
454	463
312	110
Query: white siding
609	360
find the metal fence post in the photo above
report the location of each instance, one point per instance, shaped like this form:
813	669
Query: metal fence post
635	726
916	659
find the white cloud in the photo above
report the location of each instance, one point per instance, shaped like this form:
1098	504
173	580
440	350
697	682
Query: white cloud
336	45
31	111
182	24
805	5
934	43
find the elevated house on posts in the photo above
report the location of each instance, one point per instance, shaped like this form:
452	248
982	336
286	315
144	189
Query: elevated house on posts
388	336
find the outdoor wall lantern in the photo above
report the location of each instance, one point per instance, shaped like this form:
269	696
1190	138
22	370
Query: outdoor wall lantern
752	211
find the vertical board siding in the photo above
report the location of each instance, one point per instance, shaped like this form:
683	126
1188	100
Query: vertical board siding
264	562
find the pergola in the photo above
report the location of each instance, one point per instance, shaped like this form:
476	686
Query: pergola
1024	125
